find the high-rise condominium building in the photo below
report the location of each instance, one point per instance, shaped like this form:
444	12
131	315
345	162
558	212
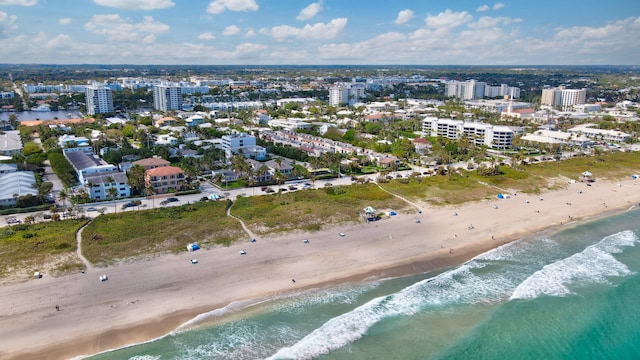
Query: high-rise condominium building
346	93
167	97
564	98
99	99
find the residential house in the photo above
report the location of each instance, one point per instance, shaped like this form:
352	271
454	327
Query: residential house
164	179
152	163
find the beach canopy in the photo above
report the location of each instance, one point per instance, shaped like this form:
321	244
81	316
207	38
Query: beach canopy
500	196
392	213
635	176
369	210
586	173
193	247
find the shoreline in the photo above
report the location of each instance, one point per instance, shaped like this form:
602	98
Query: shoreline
146	300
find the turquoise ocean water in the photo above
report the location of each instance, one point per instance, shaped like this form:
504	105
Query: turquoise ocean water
574	294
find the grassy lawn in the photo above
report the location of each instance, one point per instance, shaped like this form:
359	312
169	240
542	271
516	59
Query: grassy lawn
309	210
533	178
113	237
30	246
117	236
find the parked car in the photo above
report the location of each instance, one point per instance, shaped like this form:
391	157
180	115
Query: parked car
194	261
172	199
242	252
91	208
342	234
128	205
103	278
12	220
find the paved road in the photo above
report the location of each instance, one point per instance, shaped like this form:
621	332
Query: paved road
94	209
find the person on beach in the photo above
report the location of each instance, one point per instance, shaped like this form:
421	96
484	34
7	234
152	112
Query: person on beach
293	281
57	308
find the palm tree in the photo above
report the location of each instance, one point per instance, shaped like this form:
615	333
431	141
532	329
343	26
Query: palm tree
63	195
112	192
149	191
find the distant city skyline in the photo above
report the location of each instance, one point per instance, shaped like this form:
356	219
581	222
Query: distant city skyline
324	32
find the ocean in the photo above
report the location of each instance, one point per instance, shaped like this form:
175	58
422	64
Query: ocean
570	294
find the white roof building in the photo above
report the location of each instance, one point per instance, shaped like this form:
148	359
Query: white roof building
16	184
10	143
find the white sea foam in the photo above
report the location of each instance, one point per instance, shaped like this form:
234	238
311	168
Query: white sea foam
456	286
594	265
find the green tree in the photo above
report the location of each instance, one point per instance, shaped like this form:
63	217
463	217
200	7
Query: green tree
135	178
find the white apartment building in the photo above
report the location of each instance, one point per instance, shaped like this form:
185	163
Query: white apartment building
346	93
563	98
501	91
495	137
99	99
98	185
466	90
242	144
599	134
167	97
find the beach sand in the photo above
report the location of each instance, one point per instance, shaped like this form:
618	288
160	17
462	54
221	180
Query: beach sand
146	299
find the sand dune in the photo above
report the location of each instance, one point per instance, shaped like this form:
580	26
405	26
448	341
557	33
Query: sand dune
146	299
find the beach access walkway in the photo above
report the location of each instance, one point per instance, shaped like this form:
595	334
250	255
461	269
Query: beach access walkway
244	227
86	262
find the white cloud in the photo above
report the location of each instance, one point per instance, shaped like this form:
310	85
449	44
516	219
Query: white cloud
116	28
482	8
448	20
310	11
250	33
136	4
498	6
7	22
206	36
64	21
218	6
490	22
231	30
149	39
316	31
18	2
404	16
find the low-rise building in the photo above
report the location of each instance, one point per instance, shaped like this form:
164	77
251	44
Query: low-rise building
152	163
164	179
98	185
10	143
15	185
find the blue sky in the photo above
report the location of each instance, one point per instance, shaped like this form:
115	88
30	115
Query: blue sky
299	32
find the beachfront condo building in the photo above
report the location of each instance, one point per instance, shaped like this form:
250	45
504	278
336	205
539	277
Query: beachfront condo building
492	136
99	99
167	97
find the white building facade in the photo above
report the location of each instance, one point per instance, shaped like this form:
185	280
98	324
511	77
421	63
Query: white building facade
346	93
495	137
99	99
167	97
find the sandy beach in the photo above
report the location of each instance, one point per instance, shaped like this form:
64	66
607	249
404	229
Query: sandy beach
146	299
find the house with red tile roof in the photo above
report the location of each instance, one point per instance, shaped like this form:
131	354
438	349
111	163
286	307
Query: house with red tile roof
164	179
152	163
